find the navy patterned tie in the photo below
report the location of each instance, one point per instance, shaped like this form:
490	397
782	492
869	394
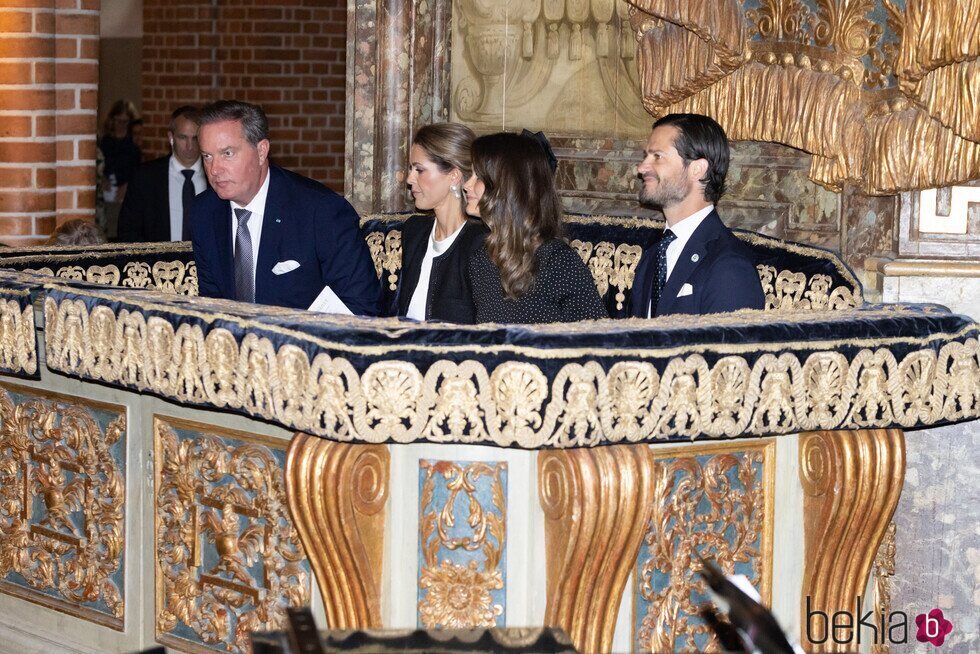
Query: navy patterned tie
658	288
187	197
244	275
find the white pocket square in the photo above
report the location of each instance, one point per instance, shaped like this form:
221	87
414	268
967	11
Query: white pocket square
686	289
285	266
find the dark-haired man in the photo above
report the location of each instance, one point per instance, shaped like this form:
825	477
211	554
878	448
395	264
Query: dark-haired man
266	235
698	266
157	202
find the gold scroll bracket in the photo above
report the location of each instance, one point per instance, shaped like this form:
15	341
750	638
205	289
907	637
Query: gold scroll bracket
337	494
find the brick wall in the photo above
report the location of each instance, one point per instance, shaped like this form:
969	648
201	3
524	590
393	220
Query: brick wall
48	78
286	55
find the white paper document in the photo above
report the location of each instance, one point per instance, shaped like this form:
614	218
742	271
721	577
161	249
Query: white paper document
328	302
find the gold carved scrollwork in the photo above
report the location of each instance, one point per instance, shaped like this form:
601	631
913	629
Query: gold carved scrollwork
719	505
909	119
62	495
594	501
220	517
515	404
458	596
337	494
851	484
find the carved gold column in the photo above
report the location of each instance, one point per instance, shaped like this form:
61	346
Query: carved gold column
851	484
337	494
597	504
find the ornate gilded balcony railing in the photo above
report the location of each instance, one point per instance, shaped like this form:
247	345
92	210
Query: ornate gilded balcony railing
818	359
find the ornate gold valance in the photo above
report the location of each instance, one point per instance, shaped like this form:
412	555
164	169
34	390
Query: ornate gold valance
882	95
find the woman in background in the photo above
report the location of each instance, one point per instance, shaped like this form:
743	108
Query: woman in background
526	273
121	154
437	247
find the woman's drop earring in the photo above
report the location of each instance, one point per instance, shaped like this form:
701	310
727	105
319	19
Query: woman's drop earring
455	190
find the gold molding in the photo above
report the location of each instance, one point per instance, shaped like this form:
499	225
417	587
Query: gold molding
59	462
456	593
517	404
922	267
596	502
851	484
337	494
938	62
219	511
666	513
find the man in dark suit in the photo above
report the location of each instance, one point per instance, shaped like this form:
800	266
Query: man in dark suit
698	266
161	191
266	235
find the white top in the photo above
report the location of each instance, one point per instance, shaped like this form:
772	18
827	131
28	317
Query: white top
257	207
175	186
416	308
682	229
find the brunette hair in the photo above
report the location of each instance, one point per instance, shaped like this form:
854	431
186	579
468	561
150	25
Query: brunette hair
519	204
76	232
447	145
700	137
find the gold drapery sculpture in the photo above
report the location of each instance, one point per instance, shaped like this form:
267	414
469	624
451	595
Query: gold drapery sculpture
890	107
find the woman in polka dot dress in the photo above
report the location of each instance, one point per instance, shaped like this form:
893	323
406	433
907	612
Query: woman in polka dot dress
526	273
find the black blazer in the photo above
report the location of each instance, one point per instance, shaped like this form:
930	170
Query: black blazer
719	267
305	223
450	297
145	212
144	216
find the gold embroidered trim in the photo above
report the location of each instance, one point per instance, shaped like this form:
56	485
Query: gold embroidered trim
583	405
396	329
167	276
18	344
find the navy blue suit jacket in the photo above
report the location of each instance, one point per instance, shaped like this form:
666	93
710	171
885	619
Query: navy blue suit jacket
719	267
305	222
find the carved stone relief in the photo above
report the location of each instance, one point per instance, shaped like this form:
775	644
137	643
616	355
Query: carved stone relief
566	67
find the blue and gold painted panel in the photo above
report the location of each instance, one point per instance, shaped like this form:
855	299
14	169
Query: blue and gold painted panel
462	544
229	560
62	503
717	503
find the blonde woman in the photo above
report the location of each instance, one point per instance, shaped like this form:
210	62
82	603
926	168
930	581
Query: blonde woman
436	247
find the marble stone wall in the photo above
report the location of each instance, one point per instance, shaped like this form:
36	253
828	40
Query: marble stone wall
937	548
